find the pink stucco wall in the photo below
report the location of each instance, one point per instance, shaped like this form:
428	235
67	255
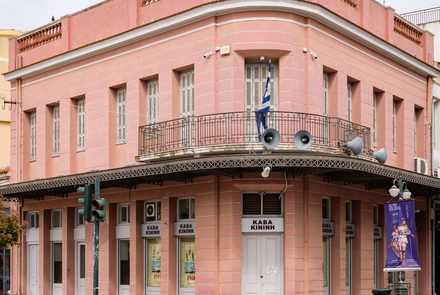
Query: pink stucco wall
219	87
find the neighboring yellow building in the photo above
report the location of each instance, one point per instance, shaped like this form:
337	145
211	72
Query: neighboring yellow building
5	94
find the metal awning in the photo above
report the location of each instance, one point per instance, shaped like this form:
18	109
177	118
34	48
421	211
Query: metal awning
333	168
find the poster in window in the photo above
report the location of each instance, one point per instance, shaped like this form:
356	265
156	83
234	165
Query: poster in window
187	263
154	263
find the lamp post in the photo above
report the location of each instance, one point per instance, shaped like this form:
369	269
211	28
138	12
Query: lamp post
404	194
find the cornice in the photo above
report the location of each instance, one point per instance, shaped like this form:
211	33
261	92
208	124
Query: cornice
306	9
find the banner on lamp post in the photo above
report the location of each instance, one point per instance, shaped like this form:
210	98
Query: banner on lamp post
401	241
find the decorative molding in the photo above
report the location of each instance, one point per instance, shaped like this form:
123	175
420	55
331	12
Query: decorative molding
306	9
184	169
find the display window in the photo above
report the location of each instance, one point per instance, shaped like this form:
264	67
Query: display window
187	263
153	262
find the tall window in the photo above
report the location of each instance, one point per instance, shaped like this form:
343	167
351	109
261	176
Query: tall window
376	247
375	119
81	124
394	126
415	133
187	93
33	129
153	101
56	130
326	249
255	85
57	259
121	115
124	262
349	101
348	250
325	94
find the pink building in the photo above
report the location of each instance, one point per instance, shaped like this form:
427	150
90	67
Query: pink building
157	99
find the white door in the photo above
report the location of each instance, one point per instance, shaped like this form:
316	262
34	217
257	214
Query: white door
262	265
326	265
348	266
33	274
80	268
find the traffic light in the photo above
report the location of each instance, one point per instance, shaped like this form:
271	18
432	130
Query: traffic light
100	208
86	201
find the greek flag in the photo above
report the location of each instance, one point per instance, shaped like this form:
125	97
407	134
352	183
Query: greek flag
260	115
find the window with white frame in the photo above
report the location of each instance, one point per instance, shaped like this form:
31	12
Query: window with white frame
255	85
56	130
33	132
348	213
325	89
121	112
376	248
152	211
415	133
153	101
394	126
326	245
348	249
57	260
57	218
81	124
254	89
187	93
123	213
375	119
79	218
33	219
349	100
186	208
436	128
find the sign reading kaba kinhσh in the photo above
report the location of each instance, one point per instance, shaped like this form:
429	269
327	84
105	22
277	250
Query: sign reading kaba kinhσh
400	228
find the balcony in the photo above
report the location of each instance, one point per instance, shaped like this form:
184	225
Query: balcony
237	133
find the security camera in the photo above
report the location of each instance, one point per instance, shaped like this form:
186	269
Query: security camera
313	55
207	54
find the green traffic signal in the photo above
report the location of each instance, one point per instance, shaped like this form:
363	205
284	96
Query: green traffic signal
100	208
86	201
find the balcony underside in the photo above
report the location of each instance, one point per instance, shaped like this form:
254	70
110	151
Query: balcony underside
333	168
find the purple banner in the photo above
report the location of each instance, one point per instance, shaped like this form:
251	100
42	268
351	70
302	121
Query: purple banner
400	228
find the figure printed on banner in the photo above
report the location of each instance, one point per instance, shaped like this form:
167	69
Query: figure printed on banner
400	226
399	240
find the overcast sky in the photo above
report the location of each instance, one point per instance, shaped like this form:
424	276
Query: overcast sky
26	15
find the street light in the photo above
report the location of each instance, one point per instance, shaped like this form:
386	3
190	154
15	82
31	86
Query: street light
404	194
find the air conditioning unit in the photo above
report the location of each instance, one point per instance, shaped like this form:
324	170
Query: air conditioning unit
421	166
437	172
150	210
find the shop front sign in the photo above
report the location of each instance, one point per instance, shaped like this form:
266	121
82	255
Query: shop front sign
267	225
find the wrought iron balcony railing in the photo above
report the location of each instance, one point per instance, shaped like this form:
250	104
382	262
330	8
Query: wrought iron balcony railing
238	131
